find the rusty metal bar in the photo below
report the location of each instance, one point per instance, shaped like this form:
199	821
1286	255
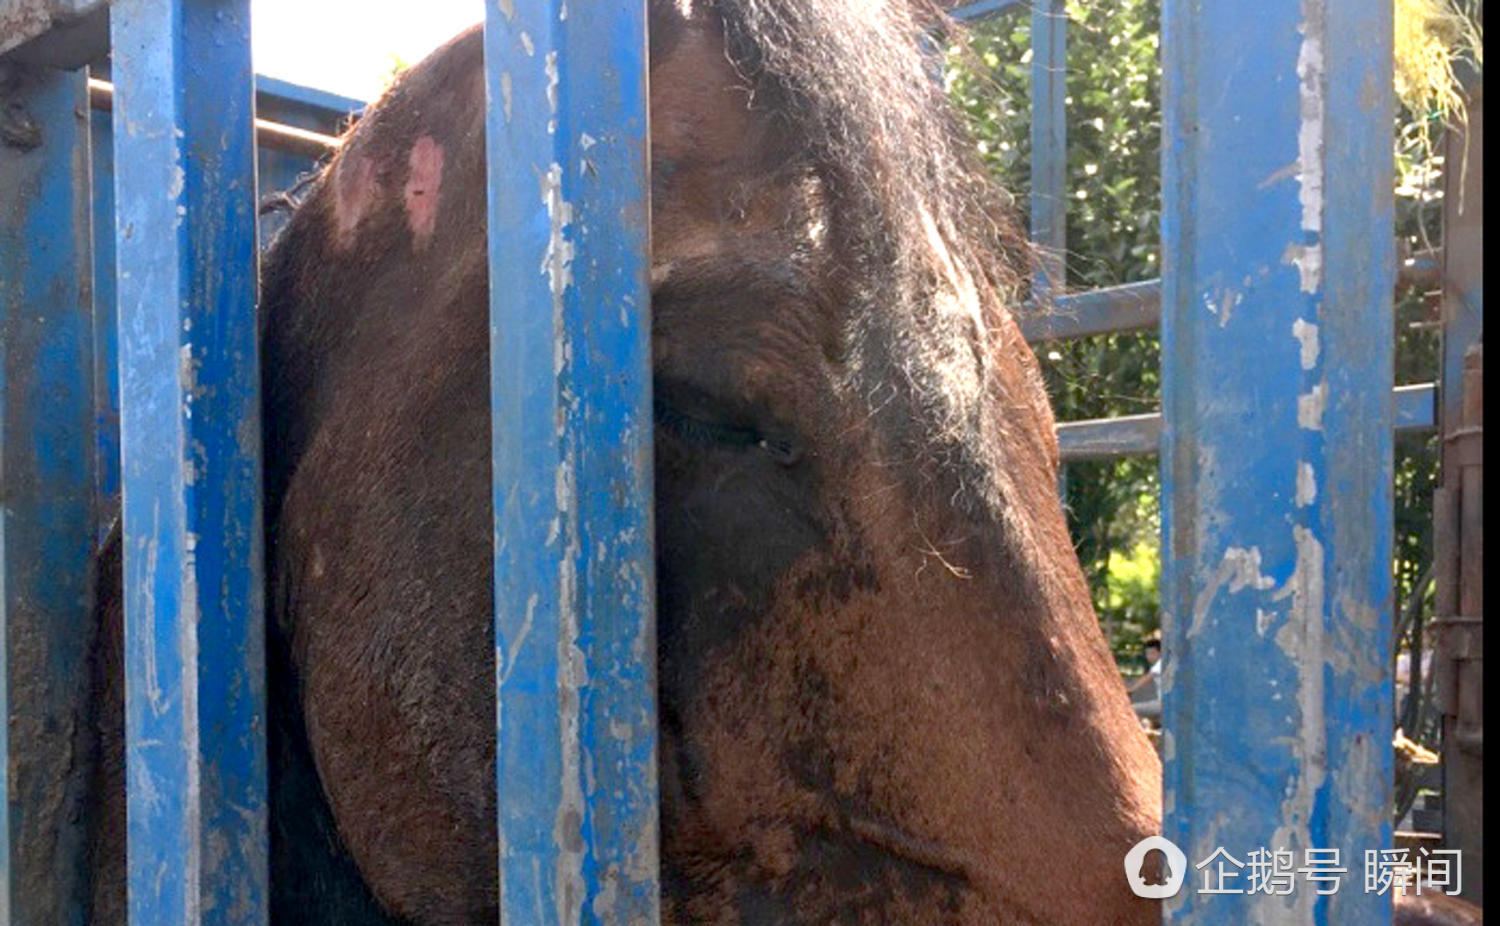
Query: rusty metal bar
1458	503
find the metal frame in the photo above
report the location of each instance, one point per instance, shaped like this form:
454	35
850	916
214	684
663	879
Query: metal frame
1231	559
61	447
1129	306
1140	435
1137	306
60	443
1286	556
185	288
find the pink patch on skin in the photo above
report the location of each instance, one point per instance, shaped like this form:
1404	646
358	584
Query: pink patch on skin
354	191
423	185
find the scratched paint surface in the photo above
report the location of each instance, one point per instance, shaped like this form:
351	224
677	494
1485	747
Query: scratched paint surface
277	171
1277	444
1049	139
190	434
570	372
46	483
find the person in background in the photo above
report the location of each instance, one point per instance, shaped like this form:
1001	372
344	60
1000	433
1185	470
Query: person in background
1150	707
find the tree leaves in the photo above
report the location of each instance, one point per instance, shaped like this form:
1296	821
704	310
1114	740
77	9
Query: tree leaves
1113	214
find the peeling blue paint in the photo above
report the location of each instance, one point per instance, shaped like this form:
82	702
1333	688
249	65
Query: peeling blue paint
1277	443
571	379
194	611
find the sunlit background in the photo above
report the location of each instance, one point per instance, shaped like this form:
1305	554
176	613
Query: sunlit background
350	47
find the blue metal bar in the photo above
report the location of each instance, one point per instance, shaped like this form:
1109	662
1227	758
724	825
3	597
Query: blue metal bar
276	99
284	154
1416	407
1137	306
106	323
1109	438
1140	435
571	378
47	488
190	438
277	169
1130	307
983	9
1277	446
1049	142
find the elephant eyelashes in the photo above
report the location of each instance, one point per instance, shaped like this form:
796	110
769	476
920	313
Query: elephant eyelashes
698	430
782	451
702	431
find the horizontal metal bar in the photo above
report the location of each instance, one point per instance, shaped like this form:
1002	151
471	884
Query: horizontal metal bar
1109	438
271	135
1137	306
1138	435
1131	307
983	9
1416	407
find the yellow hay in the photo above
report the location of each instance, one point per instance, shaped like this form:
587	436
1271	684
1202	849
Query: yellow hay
1430	36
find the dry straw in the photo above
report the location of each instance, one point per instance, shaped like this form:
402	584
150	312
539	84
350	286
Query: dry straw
1431	36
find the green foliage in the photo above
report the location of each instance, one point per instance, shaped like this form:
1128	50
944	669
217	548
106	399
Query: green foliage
1114	197
395	66
1113	212
1128	597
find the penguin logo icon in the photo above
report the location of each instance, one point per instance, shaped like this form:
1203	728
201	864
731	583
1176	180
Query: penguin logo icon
1162	880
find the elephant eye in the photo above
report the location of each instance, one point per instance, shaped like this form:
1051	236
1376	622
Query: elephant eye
693	415
702	430
781	450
